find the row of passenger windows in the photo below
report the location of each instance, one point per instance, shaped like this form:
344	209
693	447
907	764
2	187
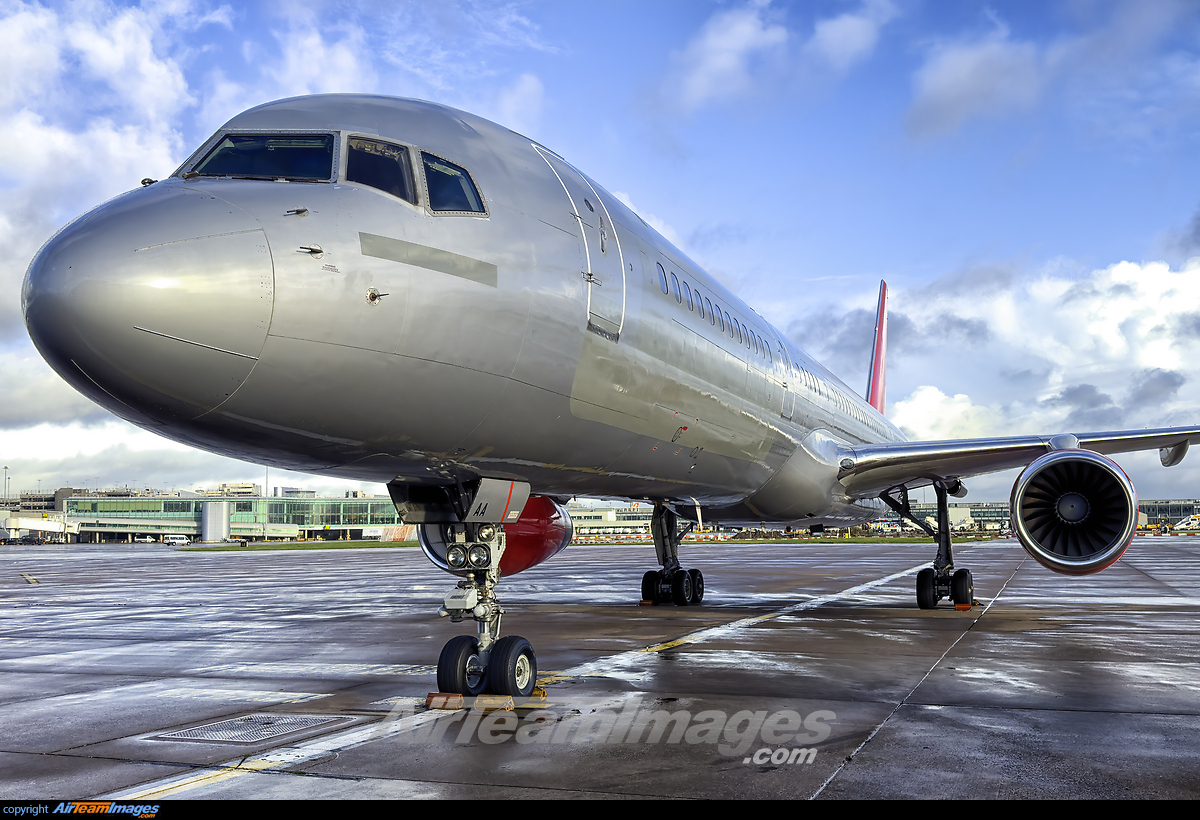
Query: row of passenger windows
672	285
309	157
717	317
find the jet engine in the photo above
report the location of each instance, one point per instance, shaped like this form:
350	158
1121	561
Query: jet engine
543	530
1074	511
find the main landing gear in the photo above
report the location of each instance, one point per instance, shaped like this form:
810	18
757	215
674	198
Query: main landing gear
941	580
673	583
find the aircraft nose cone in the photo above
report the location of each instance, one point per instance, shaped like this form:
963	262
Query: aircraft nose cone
156	304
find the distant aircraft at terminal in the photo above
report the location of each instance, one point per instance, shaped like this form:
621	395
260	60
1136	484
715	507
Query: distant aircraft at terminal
391	290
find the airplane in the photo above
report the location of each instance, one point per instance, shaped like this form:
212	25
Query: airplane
392	290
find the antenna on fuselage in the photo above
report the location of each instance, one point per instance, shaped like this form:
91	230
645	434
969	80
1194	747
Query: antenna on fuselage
877	378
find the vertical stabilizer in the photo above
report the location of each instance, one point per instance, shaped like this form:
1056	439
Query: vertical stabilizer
878	376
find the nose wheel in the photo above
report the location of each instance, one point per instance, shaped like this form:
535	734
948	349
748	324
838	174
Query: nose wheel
512	668
508	668
460	668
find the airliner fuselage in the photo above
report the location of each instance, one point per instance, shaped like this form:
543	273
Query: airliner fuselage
396	291
407	292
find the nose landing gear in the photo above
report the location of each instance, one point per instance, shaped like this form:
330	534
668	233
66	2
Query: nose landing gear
461	530
487	664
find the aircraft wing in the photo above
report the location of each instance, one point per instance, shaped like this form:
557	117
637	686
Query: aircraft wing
869	469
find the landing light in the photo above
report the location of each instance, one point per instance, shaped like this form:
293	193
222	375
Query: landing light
479	556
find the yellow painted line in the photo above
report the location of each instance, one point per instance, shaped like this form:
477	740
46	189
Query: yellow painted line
206	779
552	677
29	578
659	647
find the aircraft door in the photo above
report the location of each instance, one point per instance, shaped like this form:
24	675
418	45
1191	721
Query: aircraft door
604	258
789	385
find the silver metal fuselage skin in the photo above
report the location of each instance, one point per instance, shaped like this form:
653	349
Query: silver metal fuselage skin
533	342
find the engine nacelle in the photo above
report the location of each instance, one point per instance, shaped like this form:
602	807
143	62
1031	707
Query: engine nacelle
1074	511
543	530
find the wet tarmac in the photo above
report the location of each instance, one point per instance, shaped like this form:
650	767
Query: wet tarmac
807	672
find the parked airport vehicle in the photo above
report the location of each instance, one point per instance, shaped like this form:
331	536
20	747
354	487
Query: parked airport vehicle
396	291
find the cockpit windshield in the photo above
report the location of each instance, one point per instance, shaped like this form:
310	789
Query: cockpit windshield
269	156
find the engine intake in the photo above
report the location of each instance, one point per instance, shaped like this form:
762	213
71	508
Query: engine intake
1074	511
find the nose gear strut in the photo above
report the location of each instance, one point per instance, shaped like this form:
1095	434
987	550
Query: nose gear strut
461	530
487	663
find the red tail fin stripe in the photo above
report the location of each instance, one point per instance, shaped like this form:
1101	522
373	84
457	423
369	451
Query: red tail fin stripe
876	382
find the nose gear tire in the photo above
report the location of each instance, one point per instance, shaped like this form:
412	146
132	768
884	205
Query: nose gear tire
459	668
512	667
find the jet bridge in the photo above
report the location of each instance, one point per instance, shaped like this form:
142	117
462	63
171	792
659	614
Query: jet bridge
13	526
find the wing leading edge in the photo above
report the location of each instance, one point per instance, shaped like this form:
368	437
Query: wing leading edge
869	469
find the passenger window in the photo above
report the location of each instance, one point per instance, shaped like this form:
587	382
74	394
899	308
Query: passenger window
688	292
712	314
729	324
700	305
380	165
450	187
675	287
662	278
720	318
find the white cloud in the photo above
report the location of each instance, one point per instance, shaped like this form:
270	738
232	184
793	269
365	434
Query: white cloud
31	57
989	77
119	52
119	455
928	413
318	59
1113	74
849	38
519	106
723	60
1043	352
668	232
34	394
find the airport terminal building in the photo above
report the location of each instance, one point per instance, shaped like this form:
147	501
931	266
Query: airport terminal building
95	518
232	512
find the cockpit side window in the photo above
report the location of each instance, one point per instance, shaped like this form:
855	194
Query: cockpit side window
450	187
269	156
380	165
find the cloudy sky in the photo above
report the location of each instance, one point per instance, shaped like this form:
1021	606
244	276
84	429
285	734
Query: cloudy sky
1024	175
